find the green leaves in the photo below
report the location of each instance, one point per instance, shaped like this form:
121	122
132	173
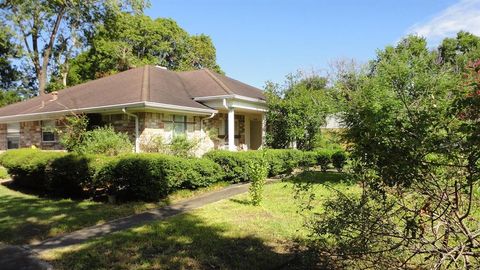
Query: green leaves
126	41
297	111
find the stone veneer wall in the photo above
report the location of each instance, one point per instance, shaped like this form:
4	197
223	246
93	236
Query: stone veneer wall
215	124
152	125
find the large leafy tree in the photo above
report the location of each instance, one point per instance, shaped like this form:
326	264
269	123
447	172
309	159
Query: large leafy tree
297	111
8	72
49	27
413	128
126	41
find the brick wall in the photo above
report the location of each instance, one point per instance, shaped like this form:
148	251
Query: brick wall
30	134
3	136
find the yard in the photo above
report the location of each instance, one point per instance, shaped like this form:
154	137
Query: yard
26	219
230	234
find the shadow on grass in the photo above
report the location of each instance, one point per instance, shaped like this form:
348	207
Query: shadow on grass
25	219
181	242
242	201
321	177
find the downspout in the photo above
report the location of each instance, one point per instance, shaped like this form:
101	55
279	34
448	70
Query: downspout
224	103
205	118
137	141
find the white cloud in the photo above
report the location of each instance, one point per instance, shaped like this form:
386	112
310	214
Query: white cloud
464	15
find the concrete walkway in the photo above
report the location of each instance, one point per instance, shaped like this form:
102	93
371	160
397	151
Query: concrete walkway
162	213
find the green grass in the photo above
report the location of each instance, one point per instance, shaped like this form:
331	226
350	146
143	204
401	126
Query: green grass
26	219
230	234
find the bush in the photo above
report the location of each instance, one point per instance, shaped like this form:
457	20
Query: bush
279	161
181	146
283	160
151	177
309	159
233	164
73	175
339	159
27	166
4	173
104	140
324	158
257	173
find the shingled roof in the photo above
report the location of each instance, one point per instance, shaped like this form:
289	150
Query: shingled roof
148	84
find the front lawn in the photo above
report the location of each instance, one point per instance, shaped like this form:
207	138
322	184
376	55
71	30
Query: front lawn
26	219
230	234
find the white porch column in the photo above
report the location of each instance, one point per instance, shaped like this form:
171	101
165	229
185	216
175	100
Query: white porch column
231	129
264	128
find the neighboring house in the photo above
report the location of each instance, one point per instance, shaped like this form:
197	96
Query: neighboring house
145	102
334	121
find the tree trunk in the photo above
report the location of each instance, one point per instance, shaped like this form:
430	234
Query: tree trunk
42	81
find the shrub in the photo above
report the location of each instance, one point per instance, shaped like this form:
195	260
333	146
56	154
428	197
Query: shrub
74	131
283	160
204	172
234	164
104	140
27	166
151	177
338	160
309	159
183	147
279	161
257	173
180	146
4	173
73	175
324	158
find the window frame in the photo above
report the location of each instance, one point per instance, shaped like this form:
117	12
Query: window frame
15	134
184	122
43	127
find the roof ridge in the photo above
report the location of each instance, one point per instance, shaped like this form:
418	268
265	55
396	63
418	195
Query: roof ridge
183	84
145	90
218	81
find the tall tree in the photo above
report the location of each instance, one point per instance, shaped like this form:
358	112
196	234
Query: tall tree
43	25
126	41
8	72
297	111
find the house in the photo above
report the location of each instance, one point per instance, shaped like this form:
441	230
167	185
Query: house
145	102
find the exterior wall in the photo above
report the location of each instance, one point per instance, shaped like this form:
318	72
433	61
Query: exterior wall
3	137
219	122
30	134
151	125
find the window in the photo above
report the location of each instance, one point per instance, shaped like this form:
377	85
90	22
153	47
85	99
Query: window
13	135
174	125
48	130
179	124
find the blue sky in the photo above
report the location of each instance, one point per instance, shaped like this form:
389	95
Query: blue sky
264	40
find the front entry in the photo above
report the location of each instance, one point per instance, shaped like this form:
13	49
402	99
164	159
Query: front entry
255	134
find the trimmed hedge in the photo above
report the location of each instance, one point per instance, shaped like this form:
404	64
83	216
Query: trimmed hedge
280	161
27	167
149	177
153	176
130	177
